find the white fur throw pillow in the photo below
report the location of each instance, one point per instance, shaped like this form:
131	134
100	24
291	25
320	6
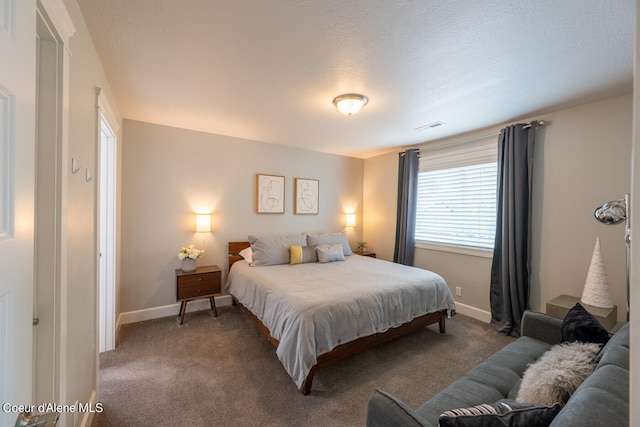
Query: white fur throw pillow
558	373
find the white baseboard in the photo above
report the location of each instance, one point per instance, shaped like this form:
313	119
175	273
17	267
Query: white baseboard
85	413
221	301
118	324
476	313
168	310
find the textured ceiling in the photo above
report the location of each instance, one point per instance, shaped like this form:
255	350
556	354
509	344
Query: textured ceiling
269	70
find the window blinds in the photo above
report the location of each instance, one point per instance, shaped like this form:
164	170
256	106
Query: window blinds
457	197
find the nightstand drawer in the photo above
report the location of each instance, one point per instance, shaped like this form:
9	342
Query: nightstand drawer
197	285
201	283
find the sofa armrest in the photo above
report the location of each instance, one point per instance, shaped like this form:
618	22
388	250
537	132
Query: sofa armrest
384	410
541	326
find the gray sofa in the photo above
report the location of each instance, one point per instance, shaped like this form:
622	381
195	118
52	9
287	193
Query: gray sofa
601	400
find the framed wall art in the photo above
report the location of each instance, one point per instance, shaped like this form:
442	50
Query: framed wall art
307	196
269	194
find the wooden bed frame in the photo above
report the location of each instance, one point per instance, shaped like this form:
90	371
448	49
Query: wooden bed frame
344	350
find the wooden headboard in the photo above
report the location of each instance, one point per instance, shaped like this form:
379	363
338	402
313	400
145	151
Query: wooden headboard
234	251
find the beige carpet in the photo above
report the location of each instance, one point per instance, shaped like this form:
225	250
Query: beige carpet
223	372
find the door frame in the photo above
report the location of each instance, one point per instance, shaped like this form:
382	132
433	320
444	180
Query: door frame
106	223
55	15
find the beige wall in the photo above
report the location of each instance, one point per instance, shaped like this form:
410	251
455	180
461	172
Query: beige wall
585	156
581	161
85	74
169	174
380	192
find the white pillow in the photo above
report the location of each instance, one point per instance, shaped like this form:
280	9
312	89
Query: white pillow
330	253
329	239
246	253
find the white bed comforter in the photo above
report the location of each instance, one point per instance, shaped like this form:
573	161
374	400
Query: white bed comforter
312	308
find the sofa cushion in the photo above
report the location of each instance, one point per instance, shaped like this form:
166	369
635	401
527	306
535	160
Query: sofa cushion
495	379
580	325
501	414
601	400
616	351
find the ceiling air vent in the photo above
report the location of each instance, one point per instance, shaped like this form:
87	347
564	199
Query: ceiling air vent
429	126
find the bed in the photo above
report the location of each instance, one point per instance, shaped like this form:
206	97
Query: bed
318	313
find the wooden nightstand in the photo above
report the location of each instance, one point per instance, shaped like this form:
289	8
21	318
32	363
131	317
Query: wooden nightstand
202	283
365	253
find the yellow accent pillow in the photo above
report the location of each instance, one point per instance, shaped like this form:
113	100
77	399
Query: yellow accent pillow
296	255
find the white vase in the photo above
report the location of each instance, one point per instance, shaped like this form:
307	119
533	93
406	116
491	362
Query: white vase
188	265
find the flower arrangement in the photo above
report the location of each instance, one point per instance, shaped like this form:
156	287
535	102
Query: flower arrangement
361	245
190	252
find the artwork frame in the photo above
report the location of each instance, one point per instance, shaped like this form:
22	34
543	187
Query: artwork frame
306	196
270	192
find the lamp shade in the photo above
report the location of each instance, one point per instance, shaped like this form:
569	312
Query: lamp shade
203	223
350	103
351	220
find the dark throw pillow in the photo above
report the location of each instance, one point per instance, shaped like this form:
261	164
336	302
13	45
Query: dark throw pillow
580	325
501	414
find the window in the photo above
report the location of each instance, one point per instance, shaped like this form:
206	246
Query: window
457	196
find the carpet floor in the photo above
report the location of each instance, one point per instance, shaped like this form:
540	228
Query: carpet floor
222	371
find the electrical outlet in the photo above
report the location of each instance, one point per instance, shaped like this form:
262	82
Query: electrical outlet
458	291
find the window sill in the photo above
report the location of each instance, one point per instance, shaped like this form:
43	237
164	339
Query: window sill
462	250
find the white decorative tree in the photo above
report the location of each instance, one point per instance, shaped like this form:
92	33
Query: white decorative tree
596	288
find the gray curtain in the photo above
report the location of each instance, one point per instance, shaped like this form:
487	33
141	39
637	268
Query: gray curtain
511	266
406	218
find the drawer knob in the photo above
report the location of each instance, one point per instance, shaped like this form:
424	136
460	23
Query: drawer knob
199	279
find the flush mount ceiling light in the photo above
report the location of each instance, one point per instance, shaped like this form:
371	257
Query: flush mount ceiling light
350	103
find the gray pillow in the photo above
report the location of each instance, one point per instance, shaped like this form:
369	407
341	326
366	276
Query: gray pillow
274	250
329	239
330	253
309	254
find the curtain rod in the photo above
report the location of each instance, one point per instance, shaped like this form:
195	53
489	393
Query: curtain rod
427	145
540	123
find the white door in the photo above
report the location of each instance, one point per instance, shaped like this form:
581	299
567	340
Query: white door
107	238
17	170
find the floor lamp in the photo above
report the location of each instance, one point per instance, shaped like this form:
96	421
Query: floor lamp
617	212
